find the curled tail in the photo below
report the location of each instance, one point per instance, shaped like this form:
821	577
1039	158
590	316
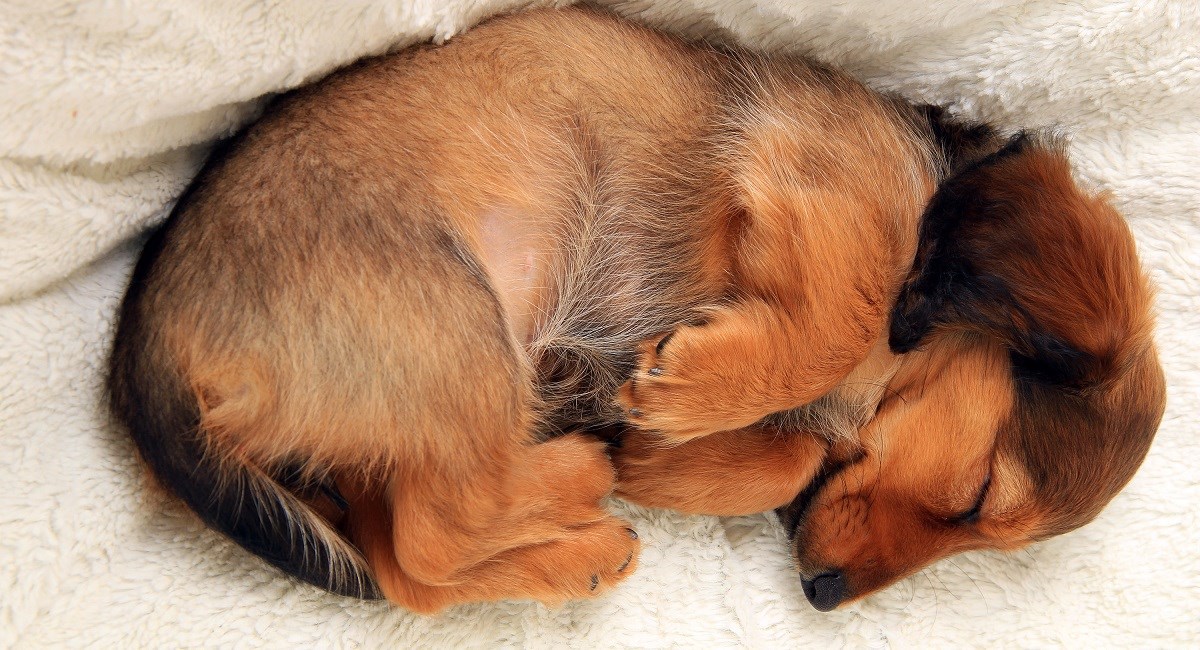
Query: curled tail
240	500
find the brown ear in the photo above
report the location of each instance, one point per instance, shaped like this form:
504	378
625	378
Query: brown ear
1012	248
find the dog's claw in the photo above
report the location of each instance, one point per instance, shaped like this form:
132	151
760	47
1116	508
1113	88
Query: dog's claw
595	583
662	343
654	371
637	413
625	563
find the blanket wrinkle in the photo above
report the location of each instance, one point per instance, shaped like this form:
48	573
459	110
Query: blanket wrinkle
107	111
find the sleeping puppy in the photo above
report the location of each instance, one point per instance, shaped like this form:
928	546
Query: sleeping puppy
1016	393
369	340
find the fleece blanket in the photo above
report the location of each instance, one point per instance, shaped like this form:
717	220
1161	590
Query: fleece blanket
108	108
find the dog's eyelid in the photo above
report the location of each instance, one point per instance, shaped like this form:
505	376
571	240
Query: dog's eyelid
971	516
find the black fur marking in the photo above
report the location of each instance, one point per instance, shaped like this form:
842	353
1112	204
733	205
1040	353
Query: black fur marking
943	281
293	479
792	515
946	286
662	343
959	142
1054	362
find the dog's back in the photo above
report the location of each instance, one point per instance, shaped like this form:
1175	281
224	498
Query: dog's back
321	311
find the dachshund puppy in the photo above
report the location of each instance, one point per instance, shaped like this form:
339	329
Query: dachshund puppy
369	341
1016	392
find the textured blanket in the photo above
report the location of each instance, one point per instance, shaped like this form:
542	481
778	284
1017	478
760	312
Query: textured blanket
108	108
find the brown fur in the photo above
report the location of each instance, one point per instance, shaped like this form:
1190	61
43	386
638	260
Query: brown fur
363	340
1028	386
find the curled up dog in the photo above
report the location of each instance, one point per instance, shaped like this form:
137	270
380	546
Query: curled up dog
370	341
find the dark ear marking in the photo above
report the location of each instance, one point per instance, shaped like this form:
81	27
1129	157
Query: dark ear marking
1054	361
991	237
943	282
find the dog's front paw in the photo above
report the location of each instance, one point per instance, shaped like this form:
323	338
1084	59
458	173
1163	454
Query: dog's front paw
727	473
656	473
690	383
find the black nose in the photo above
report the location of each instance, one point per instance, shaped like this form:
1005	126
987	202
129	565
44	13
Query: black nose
825	591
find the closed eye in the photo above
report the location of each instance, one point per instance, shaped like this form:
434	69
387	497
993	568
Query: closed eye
971	516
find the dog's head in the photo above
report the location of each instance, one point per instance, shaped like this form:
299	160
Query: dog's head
1028	392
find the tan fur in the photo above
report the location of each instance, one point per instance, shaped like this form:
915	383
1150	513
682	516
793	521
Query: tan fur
987	401
414	279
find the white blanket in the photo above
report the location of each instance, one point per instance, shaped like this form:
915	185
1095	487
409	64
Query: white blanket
107	109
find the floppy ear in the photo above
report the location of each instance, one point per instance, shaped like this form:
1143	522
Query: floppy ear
1010	247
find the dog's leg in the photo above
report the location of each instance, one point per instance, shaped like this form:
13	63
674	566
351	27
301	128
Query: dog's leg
814	274
527	527
726	473
823	230
572	567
